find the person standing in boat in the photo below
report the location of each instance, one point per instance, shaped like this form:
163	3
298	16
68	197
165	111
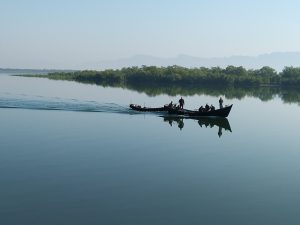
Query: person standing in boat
221	102
181	103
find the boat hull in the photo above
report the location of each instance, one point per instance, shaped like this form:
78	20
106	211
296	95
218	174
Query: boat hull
224	112
148	109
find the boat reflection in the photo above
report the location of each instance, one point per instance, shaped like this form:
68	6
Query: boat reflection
207	122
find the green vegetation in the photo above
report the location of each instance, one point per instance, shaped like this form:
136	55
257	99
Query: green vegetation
233	82
183	77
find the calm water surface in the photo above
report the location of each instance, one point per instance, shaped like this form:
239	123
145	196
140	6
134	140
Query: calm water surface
75	154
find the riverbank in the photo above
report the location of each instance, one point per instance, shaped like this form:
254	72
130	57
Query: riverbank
182	77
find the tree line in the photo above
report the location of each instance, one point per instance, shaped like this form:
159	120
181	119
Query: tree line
181	76
264	83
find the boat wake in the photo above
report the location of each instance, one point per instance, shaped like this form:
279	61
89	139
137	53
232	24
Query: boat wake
43	103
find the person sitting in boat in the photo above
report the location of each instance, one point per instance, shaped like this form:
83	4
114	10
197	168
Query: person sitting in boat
181	103
206	107
171	104
201	109
221	102
212	108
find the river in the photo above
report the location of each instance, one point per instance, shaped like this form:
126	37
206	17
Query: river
74	153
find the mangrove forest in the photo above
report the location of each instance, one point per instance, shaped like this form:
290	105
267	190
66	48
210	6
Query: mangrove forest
184	77
233	82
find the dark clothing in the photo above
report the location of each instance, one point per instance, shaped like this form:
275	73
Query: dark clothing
221	103
206	108
181	103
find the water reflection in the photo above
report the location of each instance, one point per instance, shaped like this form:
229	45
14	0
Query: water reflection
174	120
288	95
204	122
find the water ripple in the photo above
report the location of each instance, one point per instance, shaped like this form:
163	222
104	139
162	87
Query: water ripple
42	103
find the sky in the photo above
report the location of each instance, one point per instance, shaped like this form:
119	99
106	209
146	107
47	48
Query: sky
68	33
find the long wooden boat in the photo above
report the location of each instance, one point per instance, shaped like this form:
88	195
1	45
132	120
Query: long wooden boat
139	108
223	112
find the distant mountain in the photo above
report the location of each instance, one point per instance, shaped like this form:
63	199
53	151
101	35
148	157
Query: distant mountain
276	60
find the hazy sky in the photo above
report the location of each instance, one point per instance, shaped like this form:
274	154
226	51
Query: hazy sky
68	33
